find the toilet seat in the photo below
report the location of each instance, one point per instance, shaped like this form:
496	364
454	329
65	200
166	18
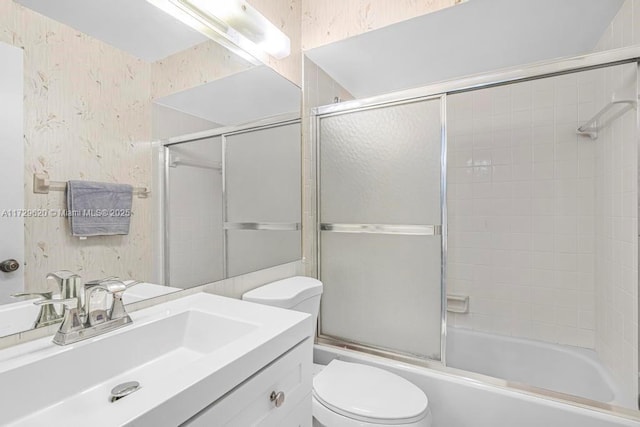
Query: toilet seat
370	395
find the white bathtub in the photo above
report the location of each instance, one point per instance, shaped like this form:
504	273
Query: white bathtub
459	402
571	370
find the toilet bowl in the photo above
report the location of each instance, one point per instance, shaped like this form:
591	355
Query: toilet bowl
348	394
353	394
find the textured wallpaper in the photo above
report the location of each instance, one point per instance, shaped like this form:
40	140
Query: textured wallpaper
192	67
87	116
328	21
286	15
209	61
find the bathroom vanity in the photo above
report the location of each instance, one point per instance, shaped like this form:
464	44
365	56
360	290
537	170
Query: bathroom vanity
199	360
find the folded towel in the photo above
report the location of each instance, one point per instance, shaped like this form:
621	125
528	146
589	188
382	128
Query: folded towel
99	208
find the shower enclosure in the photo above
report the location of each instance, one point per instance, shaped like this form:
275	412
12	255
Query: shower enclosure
223	218
475	223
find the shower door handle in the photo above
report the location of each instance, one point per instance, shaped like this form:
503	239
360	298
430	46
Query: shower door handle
400	229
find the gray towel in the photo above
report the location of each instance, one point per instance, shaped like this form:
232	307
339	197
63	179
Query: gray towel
99	208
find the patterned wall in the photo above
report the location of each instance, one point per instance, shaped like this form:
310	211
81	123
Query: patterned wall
87	116
198	65
326	22
285	14
209	61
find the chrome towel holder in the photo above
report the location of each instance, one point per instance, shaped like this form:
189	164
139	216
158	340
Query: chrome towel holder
42	185
593	125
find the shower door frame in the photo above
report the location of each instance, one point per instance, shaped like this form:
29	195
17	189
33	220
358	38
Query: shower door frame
436	229
503	77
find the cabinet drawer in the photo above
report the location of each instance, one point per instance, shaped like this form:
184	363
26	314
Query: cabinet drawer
249	404
300	416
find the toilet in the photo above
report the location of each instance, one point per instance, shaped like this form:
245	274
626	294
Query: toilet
348	394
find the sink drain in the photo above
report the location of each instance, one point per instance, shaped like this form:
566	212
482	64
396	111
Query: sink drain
124	390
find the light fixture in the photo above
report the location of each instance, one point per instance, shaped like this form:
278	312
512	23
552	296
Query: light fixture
232	23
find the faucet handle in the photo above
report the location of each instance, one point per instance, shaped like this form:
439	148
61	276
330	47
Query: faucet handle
132	283
101	281
71	320
113	285
117	306
67	281
61	274
116	288
44	295
95	300
66	302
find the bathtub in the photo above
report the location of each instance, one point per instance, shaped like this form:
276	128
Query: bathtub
456	401
565	369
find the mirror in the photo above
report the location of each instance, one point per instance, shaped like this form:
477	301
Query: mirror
232	201
104	93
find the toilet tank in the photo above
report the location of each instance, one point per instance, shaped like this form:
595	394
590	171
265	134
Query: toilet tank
297	293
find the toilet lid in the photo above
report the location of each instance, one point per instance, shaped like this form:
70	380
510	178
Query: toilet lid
369	394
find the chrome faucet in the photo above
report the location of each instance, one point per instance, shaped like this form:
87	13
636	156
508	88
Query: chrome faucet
67	287
68	283
88	318
47	314
111	285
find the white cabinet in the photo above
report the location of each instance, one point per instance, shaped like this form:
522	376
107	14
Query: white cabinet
253	402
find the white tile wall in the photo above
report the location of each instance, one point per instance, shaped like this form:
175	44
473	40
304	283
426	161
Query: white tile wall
616	237
522	209
617	216
544	223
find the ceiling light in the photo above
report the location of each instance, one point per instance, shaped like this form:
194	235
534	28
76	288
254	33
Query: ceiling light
232	23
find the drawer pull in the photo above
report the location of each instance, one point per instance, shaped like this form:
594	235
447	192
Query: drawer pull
277	398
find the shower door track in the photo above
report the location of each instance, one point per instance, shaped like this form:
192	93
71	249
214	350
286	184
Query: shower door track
503	77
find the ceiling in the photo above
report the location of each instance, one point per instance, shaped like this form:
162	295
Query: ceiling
138	27
470	38
250	95
134	26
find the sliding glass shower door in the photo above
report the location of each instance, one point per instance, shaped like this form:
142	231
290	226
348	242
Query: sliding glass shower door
381	194
262	216
232	202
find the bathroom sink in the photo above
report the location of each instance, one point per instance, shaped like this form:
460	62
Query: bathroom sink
143	291
19	316
176	351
